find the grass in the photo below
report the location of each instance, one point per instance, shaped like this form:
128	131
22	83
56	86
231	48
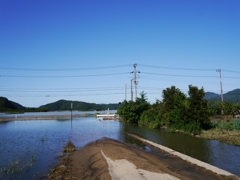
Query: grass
227	131
226	136
17	167
69	147
62	170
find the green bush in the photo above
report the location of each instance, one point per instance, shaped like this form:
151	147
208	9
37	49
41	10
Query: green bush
224	125
193	127
150	118
236	124
131	111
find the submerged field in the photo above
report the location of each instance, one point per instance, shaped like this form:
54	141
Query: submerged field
30	147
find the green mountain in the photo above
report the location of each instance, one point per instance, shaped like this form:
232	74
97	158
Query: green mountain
62	105
211	95
232	96
18	106
5	104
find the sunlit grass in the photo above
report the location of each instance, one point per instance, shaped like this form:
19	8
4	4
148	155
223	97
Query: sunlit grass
227	136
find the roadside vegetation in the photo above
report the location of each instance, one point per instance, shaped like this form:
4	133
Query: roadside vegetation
63	169
191	113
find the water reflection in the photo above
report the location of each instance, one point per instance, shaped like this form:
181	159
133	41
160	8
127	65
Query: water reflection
219	154
46	138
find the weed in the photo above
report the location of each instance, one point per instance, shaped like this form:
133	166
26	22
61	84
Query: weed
42	139
18	166
52	170
69	147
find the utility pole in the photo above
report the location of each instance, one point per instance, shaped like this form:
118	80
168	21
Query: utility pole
71	110
131	90
135	79
125	91
220	75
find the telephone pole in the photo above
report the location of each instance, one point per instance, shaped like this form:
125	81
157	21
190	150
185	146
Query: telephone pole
131	90
71	110
220	76
125	91
135	79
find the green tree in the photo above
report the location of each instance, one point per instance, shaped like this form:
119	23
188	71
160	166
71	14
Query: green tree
131	111
198	111
171	98
174	105
153	117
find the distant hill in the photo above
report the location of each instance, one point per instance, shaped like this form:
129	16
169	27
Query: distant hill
6	104
211	95
232	96
18	106
62	105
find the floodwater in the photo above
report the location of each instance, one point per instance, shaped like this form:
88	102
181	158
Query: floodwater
21	142
54	113
213	152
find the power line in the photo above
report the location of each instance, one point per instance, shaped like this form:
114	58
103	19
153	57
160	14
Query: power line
112	74
46	91
65	88
185	69
179	75
64	69
230	71
73	76
64	95
159	74
175	68
93	89
111	67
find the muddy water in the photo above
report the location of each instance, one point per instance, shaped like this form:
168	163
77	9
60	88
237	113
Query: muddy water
43	140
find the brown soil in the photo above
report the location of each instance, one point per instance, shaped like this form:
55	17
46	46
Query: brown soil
88	163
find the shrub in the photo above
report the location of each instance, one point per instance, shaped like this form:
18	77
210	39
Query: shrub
236	124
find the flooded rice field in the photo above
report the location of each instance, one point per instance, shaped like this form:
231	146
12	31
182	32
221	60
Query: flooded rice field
30	148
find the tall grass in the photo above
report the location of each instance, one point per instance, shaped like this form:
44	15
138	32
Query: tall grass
227	125
236	124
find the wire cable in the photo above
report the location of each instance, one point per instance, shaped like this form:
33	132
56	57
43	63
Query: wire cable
73	76
178	75
65	69
188	69
164	67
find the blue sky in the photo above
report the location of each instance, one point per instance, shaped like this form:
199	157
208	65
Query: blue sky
85	50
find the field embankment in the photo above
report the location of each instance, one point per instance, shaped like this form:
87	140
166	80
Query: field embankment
110	159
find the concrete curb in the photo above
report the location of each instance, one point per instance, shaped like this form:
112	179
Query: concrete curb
185	157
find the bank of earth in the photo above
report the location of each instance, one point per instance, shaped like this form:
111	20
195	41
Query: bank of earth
107	159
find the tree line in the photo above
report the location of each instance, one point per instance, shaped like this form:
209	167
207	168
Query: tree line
176	111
